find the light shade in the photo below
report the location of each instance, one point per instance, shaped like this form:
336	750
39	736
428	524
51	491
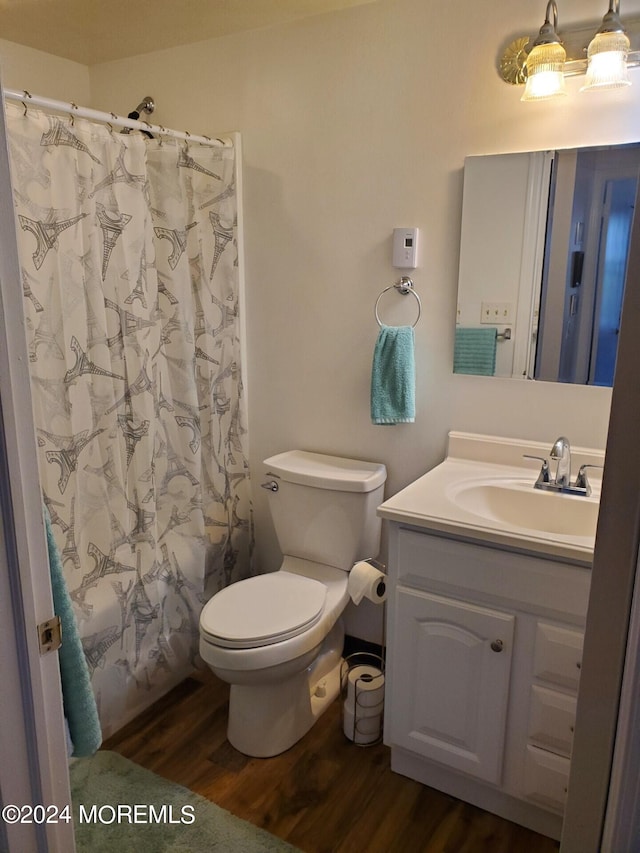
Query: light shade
607	56
545	62
545	77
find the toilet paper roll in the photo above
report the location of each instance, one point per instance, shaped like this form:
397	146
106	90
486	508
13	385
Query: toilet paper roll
365	689
361	729
365	581
363	711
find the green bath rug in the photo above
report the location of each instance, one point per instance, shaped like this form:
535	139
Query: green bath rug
119	806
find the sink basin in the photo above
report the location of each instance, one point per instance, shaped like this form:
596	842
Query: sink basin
518	504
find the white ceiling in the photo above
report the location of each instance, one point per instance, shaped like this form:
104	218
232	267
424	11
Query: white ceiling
92	31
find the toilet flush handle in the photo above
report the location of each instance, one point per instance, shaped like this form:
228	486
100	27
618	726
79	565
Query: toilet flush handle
271	485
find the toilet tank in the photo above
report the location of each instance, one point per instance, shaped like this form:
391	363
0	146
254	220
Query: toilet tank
325	507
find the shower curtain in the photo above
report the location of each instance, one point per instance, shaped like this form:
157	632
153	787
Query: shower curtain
128	255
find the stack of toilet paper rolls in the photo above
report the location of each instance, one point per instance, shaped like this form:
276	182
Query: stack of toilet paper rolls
364	704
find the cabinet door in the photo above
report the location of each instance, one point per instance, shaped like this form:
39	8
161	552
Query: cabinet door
451	682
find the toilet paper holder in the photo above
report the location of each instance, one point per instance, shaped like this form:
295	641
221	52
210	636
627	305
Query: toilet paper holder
367	579
362	692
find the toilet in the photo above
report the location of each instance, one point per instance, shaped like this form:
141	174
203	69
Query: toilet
277	638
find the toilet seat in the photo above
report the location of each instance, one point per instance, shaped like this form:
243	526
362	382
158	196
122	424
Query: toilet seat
263	610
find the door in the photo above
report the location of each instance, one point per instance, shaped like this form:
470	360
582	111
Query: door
607	634
33	758
617	218
453	662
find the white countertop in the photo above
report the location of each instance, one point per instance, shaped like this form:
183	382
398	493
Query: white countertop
432	502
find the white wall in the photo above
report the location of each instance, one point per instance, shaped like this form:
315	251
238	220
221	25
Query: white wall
43	74
353	123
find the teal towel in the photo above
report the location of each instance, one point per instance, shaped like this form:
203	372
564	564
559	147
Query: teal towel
79	702
475	351
393	377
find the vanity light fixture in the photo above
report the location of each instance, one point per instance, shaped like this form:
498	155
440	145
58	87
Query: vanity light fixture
543	63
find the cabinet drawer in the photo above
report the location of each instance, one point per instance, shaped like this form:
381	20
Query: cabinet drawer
551	720
514	581
558	655
545	778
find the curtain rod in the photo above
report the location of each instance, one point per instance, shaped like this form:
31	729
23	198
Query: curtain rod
110	118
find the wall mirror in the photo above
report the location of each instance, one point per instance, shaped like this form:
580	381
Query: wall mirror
543	262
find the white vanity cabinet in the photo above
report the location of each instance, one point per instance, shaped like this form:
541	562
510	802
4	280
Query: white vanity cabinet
483	665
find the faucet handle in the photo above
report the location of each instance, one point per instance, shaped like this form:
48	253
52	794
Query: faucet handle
543	476
582	481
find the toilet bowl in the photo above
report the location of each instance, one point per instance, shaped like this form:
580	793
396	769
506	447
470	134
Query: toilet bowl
284	665
277	638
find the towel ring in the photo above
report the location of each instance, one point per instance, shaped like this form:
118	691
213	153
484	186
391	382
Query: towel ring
403	286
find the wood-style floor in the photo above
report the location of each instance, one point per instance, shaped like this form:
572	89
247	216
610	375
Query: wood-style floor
324	795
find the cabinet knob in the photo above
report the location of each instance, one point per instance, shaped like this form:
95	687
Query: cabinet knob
497	646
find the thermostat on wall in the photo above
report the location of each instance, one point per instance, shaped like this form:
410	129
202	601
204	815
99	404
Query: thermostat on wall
405	248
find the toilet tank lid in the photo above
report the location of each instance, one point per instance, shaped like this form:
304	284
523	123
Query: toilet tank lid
327	472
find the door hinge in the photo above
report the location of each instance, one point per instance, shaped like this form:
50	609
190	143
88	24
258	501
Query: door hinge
50	635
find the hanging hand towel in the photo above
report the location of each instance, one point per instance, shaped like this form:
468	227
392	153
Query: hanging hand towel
475	351
77	696
393	377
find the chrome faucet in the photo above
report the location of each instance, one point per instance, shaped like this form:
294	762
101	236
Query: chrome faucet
561	452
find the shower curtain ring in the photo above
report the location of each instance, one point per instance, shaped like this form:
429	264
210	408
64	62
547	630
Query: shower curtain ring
25	108
73	107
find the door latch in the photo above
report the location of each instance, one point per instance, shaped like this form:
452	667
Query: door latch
50	635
